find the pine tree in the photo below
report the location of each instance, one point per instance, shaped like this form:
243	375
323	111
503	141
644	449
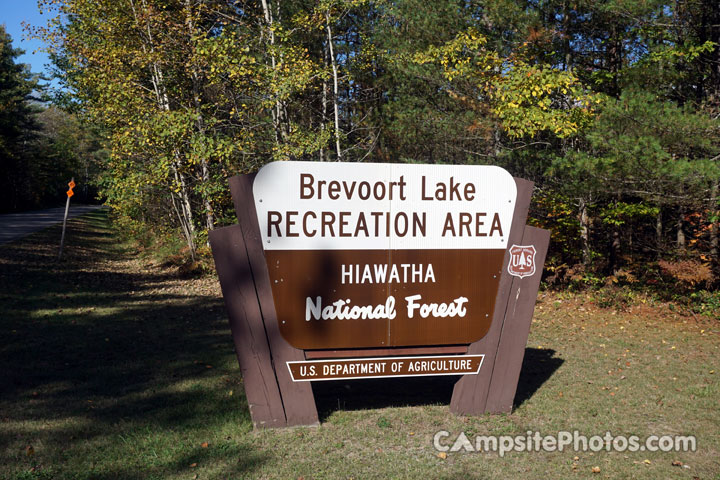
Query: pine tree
17	127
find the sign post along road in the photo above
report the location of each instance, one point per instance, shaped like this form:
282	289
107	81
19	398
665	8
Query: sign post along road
350	261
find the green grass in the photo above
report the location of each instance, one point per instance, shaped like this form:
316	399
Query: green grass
112	368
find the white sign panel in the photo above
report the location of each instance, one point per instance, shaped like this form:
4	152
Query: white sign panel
382	206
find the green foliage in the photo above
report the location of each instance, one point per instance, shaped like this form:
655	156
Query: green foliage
614	297
558	214
384	423
618	213
527	99
41	147
17	127
530	100
609	107
644	147
705	303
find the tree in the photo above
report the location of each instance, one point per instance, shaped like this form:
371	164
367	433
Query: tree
17	127
578	96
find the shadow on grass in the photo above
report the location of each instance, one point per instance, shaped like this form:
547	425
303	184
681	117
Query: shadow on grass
90	357
330	396
538	366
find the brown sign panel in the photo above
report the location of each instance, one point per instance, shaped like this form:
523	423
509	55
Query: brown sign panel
382	255
383	367
344	304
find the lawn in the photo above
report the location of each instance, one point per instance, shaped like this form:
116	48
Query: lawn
116	367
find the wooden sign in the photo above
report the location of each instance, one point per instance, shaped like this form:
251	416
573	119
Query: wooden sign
351	271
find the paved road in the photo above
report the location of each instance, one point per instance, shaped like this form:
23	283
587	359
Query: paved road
18	225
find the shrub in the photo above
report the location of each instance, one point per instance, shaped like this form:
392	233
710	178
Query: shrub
618	298
688	273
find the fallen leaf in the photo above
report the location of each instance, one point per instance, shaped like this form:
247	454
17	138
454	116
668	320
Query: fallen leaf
647	462
193	465
204	445
29	451
442	455
596	470
677	463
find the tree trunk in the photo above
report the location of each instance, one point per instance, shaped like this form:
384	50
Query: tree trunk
708	29
335	87
326	54
615	251
204	167
566	36
584	232
615	60
278	109
714	226
659	244
185	215
680	239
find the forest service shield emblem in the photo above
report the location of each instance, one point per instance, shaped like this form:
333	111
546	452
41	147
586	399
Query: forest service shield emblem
522	261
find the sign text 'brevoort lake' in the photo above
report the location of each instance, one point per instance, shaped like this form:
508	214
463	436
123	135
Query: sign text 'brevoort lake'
369	255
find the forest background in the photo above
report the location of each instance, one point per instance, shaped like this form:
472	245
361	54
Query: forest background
611	107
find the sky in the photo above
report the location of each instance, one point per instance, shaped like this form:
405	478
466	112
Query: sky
12	14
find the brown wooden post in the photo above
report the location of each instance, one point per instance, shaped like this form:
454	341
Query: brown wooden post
516	327
298	399
471	391
251	343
